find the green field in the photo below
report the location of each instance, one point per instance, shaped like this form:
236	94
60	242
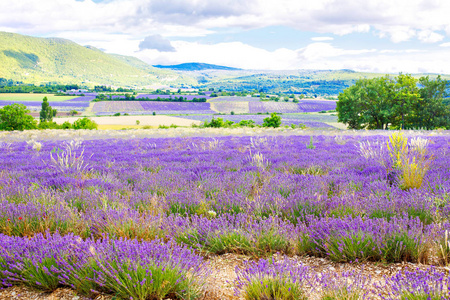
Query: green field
35	97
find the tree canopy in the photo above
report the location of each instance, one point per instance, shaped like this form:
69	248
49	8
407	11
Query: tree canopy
403	102
14	117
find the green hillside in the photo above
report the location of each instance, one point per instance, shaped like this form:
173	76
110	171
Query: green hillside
41	60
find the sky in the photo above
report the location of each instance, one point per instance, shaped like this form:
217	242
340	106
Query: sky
382	36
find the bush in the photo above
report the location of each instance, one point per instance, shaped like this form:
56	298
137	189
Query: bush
218	123
273	121
84	123
116	114
247	123
48	125
14	117
73	112
66	125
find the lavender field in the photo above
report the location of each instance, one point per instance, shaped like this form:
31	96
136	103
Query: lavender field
143	107
141	218
79	103
311	121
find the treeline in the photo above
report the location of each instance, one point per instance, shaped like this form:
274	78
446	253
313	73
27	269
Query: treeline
128	97
104	88
402	102
9	86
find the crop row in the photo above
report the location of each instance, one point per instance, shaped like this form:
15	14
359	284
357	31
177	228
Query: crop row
160	270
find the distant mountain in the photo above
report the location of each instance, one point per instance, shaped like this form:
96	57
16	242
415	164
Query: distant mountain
41	60
195	67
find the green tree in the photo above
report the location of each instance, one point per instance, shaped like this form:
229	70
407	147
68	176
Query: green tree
349	106
14	117
406	97
432	112
273	121
46	114
400	102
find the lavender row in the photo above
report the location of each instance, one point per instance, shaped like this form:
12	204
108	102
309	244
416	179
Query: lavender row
126	268
339	239
286	279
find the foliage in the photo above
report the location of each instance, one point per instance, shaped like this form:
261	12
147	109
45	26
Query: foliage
311	144
218	123
51	125
410	160
84	123
71	157
400	102
14	117
273	121
46	113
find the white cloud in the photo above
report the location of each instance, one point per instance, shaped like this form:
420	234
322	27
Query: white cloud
120	25
428	36
398	19
321	38
313	56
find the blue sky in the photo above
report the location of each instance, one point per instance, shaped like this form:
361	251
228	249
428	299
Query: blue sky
372	35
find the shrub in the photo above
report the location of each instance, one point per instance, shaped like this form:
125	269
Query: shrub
247	123
73	112
411	162
84	123
311	144
218	123
116	114
66	125
49	125
273	121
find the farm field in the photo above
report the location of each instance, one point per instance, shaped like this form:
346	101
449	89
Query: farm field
34	97
193	217
131	120
34	101
310	120
140	107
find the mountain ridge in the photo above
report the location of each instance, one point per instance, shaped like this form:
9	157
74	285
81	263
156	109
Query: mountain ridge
56	60
196	66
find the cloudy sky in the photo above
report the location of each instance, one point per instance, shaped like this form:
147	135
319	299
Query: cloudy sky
364	35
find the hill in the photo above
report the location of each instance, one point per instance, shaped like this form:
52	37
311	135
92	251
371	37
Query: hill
195	67
41	60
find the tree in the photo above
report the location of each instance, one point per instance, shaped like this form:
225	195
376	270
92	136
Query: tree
273	121
406	97
46	114
400	102
432	112
14	117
